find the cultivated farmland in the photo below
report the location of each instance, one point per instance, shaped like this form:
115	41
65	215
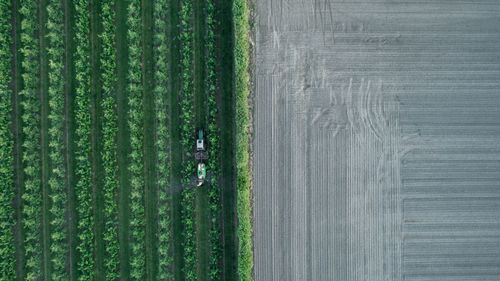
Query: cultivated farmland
377	140
100	102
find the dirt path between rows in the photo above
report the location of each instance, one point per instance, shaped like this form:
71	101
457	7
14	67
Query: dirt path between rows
18	140
69	136
96	137
45	162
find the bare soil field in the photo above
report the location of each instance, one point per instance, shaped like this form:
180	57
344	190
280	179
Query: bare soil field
377	140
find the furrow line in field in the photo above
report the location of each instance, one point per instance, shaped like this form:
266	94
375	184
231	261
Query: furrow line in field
69	137
18	140
97	173
44	143
149	131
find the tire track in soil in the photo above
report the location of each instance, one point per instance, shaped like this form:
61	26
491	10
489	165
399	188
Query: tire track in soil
176	147
123	137
202	212
17	133
45	164
97	171
150	192
69	136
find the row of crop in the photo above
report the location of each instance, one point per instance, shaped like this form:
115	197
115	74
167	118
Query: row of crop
32	197
213	165
57	183
241	59
165	258
109	132
83	170
136	121
7	222
187	140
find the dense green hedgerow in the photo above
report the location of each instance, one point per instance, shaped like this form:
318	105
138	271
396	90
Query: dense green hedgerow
215	272
165	258
57	184
83	187
109	132
187	140
32	197
136	121
241	58
7	222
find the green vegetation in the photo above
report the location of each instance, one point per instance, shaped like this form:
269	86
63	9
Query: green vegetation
112	92
187	139
7	190
83	145
241	58
136	121
215	272
109	132
165	259
31	143
57	183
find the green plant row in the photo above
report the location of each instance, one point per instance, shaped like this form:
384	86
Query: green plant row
187	139
241	58
7	191
32	197
165	258
83	187
136	121
213	165
57	184
109	132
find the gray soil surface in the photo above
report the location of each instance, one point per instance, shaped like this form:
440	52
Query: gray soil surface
377	140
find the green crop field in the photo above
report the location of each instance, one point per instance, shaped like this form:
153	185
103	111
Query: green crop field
100	103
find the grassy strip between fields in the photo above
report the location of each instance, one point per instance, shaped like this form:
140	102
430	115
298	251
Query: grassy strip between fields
160	57
214	193
31	142
83	170
136	121
57	183
109	132
7	250
187	140
241	58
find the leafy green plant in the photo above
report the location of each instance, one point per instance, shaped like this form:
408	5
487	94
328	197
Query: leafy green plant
215	206
32	198
109	132
241	59
135	121
187	140
7	222
165	259
83	170
57	184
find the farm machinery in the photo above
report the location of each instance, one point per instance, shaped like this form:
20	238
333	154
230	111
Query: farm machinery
199	156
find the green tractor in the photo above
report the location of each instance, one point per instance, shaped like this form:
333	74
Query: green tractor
200	155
